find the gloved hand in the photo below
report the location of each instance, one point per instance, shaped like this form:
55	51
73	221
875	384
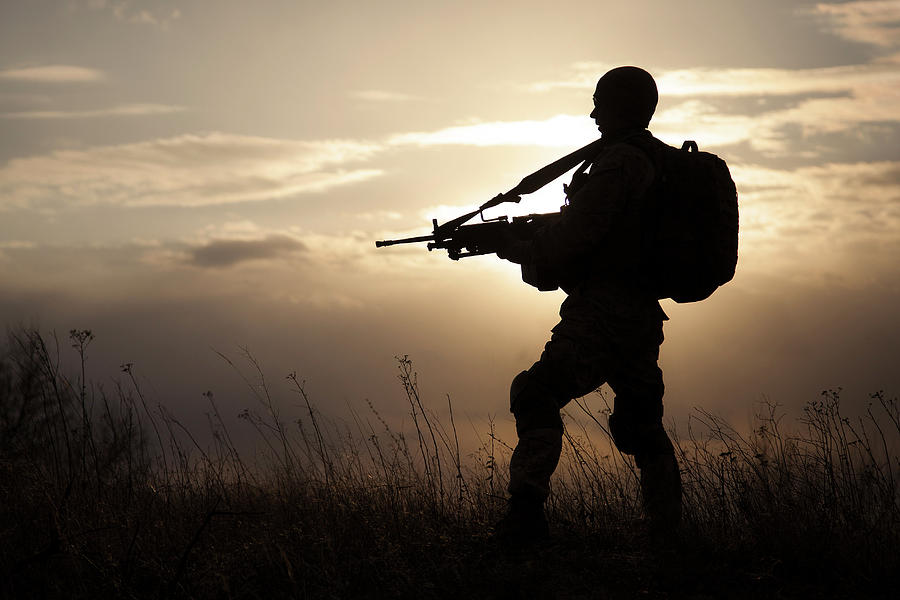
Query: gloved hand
513	249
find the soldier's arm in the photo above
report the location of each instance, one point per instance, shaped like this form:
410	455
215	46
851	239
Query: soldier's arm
623	174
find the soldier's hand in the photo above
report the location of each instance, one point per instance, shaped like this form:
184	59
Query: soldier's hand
513	249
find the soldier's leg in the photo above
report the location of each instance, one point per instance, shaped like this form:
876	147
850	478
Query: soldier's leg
636	419
539	428
637	429
536	396
641	434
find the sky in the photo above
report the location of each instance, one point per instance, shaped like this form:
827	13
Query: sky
189	178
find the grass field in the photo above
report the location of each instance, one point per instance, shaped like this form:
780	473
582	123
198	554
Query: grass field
107	494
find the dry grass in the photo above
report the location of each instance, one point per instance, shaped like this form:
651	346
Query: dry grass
107	494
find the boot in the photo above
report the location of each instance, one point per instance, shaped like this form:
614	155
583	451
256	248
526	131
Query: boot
523	524
661	493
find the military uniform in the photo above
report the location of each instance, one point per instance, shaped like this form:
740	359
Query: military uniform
610	325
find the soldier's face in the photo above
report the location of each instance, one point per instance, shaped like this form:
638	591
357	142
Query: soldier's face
600	115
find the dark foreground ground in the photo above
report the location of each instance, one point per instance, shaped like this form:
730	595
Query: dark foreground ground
107	495
345	551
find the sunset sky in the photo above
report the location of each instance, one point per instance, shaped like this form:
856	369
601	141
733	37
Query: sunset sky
188	176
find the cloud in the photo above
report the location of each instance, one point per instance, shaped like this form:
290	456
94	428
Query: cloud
745	82
382	96
187	170
53	74
16	244
700	121
378	215
557	131
738	82
222	245
126	12
14	100
124	110
226	253
870	22
774	133
773	111
823	101
838	218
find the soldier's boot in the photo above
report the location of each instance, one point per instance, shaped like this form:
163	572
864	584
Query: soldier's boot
524	523
661	493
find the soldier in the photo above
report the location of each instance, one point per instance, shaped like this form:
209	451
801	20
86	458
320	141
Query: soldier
611	324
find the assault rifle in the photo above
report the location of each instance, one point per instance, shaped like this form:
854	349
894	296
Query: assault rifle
478	238
485	238
461	240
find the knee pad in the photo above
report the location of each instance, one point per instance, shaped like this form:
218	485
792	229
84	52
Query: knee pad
516	388
624	433
639	434
534	406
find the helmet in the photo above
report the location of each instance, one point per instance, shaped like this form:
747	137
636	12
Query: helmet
626	96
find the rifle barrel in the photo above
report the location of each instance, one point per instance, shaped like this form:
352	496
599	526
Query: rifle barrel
412	240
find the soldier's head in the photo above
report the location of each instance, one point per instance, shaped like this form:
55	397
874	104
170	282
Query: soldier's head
625	98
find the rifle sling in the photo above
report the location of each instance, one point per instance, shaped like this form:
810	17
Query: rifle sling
530	183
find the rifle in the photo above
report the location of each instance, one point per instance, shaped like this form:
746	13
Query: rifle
479	238
462	240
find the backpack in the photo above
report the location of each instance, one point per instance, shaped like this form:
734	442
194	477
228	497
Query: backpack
691	242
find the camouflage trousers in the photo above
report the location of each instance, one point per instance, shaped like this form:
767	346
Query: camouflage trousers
609	336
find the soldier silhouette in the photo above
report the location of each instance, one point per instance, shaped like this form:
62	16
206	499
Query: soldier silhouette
611	323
